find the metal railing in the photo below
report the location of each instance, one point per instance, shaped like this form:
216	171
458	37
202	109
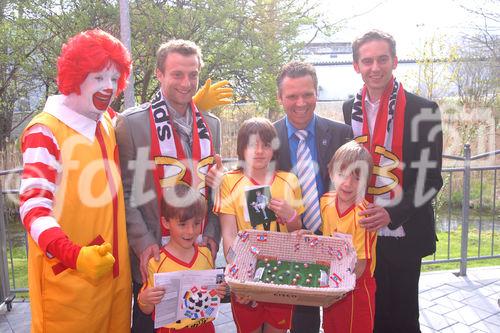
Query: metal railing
8	267
6	293
467	171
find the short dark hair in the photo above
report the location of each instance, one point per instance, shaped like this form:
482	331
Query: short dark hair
296	69
183	202
350	155
255	126
181	46
371	36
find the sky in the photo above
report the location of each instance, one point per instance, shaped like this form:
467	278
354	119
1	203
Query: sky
411	22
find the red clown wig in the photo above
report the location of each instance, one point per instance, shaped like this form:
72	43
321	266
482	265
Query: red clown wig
91	51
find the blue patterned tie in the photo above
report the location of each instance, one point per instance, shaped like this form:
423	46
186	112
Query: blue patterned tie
307	179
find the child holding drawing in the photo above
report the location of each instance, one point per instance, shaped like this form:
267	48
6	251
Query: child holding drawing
183	210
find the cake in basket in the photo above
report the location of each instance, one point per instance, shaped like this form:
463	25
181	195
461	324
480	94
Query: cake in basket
290	268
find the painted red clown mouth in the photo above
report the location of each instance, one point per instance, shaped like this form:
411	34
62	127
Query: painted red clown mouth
102	100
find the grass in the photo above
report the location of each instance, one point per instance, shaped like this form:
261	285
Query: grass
20	264
21	272
454	245
482	190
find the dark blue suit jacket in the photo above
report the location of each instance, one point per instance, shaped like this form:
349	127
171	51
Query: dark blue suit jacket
330	135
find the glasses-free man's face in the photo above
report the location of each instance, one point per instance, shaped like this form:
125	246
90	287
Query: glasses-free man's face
375	64
179	82
298	97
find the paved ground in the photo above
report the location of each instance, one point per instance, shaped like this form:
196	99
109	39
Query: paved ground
448	304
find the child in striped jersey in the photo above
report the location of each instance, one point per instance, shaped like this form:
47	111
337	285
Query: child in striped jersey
256	148
183	210
349	171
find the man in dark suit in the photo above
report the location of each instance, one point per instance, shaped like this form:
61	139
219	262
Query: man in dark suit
403	133
297	93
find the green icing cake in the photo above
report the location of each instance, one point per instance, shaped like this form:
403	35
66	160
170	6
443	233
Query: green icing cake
272	271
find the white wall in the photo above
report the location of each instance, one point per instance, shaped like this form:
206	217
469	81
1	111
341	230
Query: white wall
338	82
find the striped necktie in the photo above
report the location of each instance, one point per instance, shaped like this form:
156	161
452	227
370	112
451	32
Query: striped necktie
307	179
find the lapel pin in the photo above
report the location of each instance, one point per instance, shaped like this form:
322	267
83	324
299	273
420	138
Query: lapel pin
323	142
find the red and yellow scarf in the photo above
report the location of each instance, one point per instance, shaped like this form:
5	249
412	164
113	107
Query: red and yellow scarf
386	143
172	167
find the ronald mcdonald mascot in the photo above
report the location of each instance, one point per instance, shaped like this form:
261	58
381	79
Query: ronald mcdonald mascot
71	198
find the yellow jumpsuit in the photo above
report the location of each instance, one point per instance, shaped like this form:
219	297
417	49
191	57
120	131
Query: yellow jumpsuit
69	301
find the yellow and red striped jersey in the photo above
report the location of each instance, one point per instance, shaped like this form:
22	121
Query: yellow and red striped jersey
348	223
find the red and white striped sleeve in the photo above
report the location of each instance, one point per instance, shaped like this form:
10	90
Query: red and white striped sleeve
42	166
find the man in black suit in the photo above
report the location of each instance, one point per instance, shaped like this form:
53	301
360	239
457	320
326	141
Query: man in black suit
297	93
403	133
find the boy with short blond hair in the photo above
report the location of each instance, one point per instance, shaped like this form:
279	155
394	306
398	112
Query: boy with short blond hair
350	170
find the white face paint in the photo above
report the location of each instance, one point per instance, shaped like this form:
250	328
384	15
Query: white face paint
97	91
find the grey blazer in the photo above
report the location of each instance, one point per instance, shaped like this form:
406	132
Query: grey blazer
330	135
133	135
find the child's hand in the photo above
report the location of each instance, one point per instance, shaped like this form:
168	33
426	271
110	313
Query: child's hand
282	209
359	268
151	296
301	232
221	289
243	299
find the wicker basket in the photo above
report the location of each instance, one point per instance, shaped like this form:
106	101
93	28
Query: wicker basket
250	245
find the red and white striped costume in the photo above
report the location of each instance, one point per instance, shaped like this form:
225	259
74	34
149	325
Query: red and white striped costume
42	167
71	196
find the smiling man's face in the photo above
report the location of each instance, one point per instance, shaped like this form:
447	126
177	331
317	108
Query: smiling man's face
179	80
375	64
298	97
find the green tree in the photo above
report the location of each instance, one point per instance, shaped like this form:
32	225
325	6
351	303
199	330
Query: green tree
18	69
31	35
244	41
435	73
478	76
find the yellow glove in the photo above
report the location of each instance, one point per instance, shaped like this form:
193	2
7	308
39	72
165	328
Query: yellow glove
95	261
212	95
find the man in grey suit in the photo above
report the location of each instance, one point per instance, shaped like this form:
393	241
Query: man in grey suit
161	143
297	93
